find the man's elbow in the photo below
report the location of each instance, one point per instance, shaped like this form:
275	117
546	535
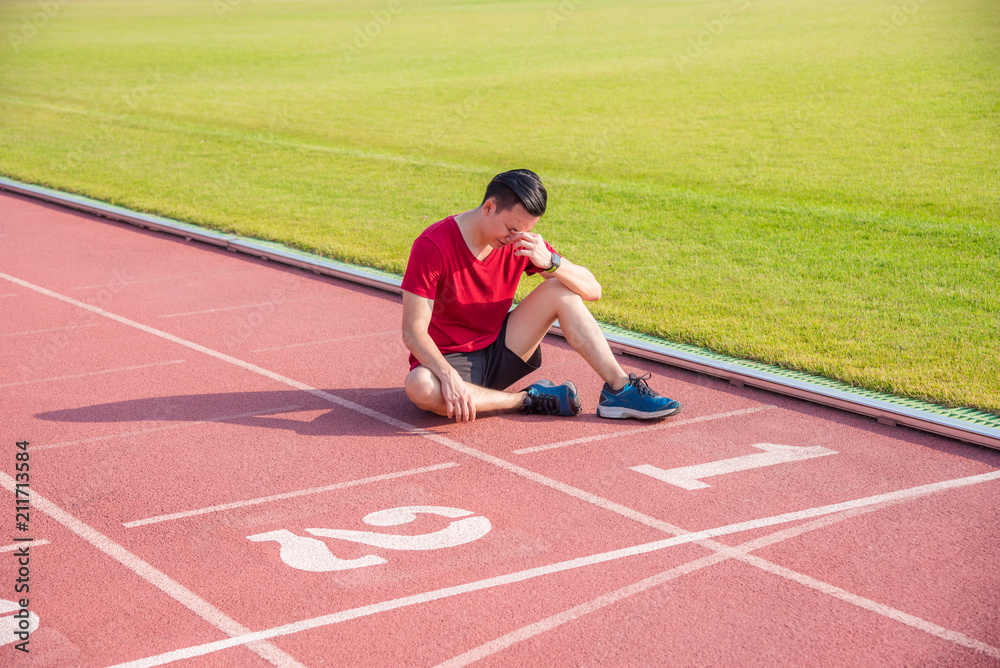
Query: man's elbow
409	337
593	292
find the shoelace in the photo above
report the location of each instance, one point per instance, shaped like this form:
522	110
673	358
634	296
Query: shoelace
641	386
546	403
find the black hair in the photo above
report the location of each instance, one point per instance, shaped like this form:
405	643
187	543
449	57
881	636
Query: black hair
518	186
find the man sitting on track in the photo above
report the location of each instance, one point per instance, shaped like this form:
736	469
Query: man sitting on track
466	348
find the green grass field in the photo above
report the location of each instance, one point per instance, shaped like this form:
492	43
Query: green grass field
809	183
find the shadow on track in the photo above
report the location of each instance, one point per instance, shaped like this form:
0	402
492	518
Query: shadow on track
259	410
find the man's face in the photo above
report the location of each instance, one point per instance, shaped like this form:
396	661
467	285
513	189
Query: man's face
504	226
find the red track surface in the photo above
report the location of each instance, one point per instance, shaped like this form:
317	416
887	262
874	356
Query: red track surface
179	398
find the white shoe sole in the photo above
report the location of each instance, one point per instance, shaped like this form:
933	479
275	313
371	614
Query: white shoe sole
620	413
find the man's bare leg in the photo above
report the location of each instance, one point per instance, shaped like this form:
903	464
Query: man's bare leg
526	327
424	390
530	321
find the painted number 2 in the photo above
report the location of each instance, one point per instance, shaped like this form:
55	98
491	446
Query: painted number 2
312	554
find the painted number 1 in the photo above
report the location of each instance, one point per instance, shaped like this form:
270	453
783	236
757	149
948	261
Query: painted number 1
312	554
689	477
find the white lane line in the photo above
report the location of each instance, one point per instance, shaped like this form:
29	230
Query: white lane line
454	445
363	410
18	546
50	329
740	553
92	373
872	606
316	343
114	284
157	578
642	430
13	294
287	495
579	562
609	598
151	430
242	306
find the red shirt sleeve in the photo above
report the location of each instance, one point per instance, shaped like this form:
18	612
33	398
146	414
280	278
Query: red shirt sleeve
423	270
531	269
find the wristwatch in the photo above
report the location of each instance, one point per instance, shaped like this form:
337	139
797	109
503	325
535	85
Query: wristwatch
556	263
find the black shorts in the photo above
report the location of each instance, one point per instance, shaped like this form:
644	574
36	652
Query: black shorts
495	366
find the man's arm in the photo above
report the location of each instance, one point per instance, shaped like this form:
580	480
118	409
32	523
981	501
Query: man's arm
576	277
416	319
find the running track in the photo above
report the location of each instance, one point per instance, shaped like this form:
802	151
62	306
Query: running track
208	434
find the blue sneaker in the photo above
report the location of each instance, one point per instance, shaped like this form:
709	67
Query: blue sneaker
547	398
635	400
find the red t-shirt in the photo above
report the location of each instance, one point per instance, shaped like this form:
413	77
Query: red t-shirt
471	297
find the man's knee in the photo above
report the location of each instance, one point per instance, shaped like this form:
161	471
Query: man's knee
548	298
558	294
553	287
423	389
532	318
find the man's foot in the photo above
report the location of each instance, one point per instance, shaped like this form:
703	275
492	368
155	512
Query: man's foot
635	400
547	398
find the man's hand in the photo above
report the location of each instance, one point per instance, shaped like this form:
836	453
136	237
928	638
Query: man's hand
575	277
532	246
454	391
456	395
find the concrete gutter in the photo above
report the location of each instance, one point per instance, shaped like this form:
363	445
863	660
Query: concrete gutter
969	425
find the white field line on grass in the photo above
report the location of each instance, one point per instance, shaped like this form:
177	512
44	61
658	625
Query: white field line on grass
92	373
641	430
740	553
50	329
316	343
244	137
571	564
688	195
155	577
152	430
287	495
501	463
